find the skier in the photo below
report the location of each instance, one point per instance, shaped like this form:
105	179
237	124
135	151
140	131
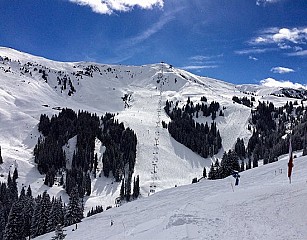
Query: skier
236	175
237	180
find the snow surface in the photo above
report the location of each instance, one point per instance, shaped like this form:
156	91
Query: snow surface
263	206
24	96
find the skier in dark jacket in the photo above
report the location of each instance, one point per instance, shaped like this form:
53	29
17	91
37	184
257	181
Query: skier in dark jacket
236	175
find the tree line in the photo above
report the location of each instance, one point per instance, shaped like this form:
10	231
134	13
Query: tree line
244	100
272	129
118	159
200	138
23	215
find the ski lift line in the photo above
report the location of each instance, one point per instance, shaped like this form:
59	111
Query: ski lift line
157	132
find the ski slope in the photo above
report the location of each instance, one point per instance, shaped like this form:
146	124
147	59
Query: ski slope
263	206
25	95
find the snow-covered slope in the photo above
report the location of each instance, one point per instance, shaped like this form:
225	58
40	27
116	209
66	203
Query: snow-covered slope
263	206
30	86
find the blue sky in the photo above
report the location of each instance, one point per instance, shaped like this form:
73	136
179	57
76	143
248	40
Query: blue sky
238	41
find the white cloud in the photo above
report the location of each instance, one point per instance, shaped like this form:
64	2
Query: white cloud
261	40
281	70
252	58
285	39
254	50
271	82
297	48
281	36
283	46
128	47
152	30
196	67
203	62
200	58
298	53
156	27
264	2
109	6
293	35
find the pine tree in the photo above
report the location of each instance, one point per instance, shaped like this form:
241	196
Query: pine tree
219	141
2	220
205	173
29	192
1	159
87	183
15	223
28	203
136	187
44	213
249	165
255	160
128	189
242	166
15	174
212	173
12	188
35	217
122	190
229	163
22	194
74	212
56	215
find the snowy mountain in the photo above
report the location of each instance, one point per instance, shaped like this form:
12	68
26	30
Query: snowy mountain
31	86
